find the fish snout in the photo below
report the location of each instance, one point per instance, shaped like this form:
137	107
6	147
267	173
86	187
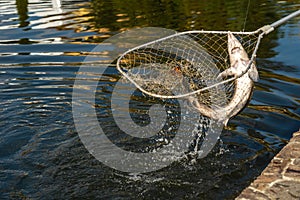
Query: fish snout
233	43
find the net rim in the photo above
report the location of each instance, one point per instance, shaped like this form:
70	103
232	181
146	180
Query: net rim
253	56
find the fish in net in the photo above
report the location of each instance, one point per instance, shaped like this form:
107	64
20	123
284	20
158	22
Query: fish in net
211	69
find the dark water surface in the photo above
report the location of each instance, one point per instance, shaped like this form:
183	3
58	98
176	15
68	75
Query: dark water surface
42	46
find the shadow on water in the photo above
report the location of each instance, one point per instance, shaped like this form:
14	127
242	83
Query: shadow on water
43	44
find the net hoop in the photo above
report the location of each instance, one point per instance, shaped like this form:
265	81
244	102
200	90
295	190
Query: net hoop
259	33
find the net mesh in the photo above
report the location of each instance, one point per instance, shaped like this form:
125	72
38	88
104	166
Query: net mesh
184	64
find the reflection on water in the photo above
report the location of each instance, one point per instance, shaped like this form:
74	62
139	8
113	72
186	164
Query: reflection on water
43	43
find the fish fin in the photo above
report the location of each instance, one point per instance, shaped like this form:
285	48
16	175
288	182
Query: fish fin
222	116
253	73
225	122
226	73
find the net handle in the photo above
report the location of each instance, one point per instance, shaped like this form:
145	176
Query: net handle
269	28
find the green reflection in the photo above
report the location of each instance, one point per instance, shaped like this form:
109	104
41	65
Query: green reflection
183	15
22	8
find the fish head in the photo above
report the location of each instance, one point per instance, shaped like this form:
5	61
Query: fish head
235	49
239	59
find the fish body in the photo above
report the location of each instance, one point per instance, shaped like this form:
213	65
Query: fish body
239	61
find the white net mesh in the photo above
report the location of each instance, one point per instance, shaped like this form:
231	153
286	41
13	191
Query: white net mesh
199	63
184	64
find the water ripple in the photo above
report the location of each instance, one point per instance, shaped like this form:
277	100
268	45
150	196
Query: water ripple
43	44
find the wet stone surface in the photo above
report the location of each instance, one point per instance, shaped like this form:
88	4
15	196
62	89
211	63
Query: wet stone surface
281	178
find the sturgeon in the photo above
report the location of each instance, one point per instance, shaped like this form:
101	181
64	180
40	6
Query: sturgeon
239	62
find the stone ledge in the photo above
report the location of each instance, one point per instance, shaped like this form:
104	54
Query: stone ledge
281	178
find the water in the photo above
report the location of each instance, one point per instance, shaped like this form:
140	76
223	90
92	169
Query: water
42	46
